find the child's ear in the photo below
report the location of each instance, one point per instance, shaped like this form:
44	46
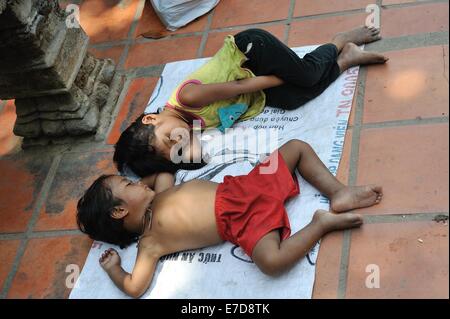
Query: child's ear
150	119
119	212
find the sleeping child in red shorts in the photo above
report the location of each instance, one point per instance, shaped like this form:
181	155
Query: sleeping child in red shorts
245	210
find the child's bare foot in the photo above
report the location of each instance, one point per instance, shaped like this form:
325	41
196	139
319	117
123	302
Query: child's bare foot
351	55
360	35
351	197
331	222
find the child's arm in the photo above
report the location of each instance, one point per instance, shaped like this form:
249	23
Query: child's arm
136	283
163	182
159	182
199	95
149	180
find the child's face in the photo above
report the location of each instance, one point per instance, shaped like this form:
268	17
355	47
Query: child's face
168	132
166	129
136	198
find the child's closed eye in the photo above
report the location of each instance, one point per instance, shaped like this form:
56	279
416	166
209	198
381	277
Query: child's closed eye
127	182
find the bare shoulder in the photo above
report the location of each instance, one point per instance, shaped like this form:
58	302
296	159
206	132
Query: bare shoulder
165	177
188	94
164	181
149	180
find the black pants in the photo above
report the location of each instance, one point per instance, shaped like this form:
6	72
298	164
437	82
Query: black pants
305	78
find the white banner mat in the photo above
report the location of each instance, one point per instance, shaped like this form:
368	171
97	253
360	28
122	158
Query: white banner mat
224	271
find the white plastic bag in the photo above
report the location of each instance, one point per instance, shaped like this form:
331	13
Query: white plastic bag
177	13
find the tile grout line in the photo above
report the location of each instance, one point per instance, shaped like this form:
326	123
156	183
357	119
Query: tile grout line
250	25
343	267
116	110
82	147
401	123
130	37
287	28
401	218
205	33
363	10
108	44
34	217
87	147
119	68
405	42
354	154
329	15
411	4
175	36
406	122
40	234
356	133
137	17
443	60
9	278
145	71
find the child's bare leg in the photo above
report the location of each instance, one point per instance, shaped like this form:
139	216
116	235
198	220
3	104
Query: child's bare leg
300	155
360	35
347	44
274	257
352	55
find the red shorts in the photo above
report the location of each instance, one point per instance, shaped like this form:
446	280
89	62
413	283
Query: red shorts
250	206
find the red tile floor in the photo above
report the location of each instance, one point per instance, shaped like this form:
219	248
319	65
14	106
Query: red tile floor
398	136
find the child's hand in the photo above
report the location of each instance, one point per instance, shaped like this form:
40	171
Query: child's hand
109	259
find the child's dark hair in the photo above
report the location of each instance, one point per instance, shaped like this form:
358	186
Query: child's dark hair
134	150
94	218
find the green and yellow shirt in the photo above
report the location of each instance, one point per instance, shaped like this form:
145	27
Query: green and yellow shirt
224	66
